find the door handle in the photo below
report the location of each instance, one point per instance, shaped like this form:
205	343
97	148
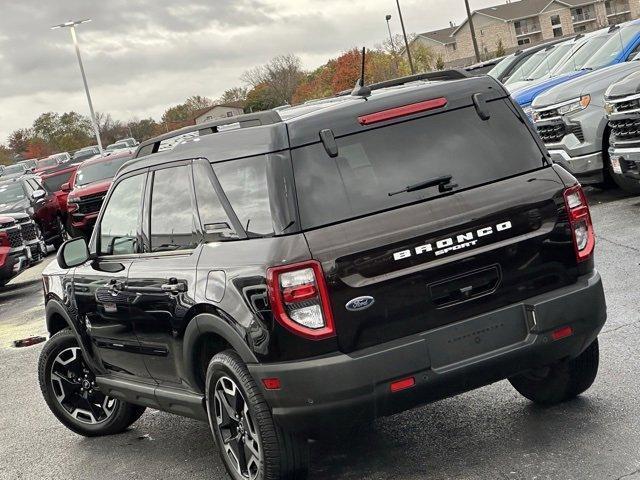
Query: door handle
174	287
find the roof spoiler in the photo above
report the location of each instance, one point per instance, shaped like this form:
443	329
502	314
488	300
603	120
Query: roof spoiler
438	75
269	117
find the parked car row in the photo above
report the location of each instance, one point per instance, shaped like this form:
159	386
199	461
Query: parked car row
562	89
39	211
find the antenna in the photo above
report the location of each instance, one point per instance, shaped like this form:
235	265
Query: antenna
360	90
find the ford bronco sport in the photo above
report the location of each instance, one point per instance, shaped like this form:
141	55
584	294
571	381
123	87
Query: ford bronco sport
285	274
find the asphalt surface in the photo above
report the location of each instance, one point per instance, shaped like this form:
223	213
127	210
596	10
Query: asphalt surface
491	433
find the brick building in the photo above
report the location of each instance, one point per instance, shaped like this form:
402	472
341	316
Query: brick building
518	24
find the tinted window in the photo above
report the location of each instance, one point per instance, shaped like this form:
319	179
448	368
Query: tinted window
214	219
550	61
54	182
245	184
118	229
578	58
47	162
102	170
372	164
172	220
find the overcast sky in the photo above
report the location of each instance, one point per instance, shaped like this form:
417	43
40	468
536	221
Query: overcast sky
142	56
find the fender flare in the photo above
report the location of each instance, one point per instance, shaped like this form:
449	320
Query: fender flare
203	324
54	307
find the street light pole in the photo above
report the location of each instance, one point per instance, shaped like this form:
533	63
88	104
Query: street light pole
72	27
406	42
393	47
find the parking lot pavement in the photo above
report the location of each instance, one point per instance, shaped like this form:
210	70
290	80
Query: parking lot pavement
491	433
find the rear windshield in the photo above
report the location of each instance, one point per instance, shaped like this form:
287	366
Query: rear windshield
47	162
102	170
372	164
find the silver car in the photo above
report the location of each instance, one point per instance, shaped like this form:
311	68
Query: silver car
571	121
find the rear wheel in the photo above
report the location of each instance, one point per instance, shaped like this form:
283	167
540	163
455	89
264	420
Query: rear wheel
70	390
250	444
562	381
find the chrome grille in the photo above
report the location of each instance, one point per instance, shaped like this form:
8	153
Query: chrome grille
625	129
627	105
29	232
547	114
90	205
15	237
552	133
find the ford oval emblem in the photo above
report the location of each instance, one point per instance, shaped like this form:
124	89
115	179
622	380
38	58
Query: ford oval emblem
360	303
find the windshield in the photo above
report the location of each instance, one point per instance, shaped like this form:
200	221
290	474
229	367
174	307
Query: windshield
500	68
578	58
47	162
524	71
550	61
11	193
13	169
612	48
102	170
374	163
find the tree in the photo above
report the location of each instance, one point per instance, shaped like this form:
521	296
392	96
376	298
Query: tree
440	63
235	94
198	102
423	57
143	129
278	79
180	114
6	155
19	140
37	149
500	50
260	98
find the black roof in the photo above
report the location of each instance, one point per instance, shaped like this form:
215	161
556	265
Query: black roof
292	127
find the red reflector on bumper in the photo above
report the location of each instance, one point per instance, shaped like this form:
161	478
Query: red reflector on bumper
402	384
271	383
561	333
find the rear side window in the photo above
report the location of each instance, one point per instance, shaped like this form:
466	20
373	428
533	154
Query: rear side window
172	219
215	222
372	164
245	184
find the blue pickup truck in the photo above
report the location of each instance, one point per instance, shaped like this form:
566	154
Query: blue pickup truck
622	45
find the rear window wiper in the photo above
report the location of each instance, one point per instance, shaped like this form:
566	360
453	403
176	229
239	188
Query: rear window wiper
443	183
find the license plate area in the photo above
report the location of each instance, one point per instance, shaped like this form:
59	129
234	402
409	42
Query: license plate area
615	164
476	336
465	287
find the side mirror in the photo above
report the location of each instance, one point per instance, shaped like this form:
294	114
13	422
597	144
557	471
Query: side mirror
65	187
73	253
38	195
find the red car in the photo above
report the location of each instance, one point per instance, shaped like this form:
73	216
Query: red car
56	181
88	187
51	162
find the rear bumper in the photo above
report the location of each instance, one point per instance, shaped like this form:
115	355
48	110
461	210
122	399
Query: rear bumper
333	392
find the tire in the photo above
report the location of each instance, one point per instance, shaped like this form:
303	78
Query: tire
280	455
562	381
114	416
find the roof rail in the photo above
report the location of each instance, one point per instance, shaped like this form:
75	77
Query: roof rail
269	117
438	75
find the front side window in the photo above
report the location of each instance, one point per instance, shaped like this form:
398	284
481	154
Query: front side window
119	226
172	214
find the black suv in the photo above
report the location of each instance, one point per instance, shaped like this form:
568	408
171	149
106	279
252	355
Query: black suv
286	274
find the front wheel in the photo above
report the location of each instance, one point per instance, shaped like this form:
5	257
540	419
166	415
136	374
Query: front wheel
562	381
249	443
70	390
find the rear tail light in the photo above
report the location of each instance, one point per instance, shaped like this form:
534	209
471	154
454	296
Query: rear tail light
300	299
4	239
403	111
580	222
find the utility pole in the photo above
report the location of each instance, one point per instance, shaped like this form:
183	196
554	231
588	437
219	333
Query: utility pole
473	31
406	41
72	26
